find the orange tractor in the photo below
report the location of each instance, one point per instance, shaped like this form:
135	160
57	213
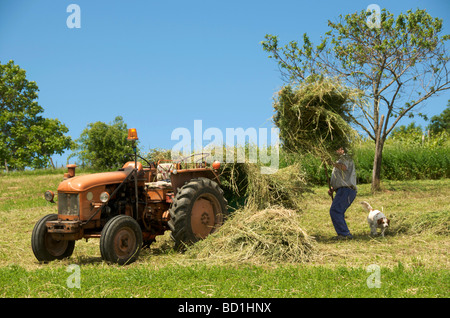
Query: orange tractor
128	208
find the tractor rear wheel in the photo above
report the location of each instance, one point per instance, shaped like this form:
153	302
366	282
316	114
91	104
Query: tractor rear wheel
121	240
198	209
45	248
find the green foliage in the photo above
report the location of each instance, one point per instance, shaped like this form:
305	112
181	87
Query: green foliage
157	154
363	54
27	139
104	146
441	123
413	135
410	134
401	161
404	162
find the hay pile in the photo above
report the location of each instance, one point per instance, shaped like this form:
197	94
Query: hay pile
417	222
265	236
283	188
257	191
315	116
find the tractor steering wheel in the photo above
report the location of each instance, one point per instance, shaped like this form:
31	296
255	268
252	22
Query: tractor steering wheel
146	161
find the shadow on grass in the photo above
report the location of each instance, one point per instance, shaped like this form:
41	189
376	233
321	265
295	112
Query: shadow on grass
85	260
356	238
148	251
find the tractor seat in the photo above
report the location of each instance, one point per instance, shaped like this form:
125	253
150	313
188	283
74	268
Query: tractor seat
158	185
163	171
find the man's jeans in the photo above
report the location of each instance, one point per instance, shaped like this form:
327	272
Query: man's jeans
344	197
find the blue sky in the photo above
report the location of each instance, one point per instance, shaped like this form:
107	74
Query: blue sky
163	64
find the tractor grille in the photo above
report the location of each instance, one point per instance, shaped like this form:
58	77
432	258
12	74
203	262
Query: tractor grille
68	204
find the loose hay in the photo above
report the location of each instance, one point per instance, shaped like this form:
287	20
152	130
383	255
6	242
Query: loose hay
270	235
283	188
315	117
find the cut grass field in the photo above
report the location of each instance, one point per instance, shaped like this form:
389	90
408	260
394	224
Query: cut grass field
412	260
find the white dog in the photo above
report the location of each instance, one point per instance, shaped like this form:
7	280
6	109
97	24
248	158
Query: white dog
376	219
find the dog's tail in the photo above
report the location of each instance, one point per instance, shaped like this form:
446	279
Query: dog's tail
366	206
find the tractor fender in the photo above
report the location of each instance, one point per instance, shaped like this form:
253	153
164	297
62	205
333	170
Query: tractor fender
183	176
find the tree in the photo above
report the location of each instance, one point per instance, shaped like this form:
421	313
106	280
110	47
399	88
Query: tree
395	66
27	139
49	139
103	146
410	134
441	123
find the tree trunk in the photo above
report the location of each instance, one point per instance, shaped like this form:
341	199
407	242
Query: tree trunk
51	161
376	173
379	143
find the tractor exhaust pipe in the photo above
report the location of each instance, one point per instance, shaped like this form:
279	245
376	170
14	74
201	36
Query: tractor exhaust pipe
70	171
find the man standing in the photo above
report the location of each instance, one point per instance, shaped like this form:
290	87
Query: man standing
343	182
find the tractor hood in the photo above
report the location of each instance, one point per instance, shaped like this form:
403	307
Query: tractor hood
83	183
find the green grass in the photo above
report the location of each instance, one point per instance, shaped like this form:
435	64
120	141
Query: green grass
413	257
222	282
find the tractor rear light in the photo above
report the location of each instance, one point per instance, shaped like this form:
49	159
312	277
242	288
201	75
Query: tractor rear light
104	197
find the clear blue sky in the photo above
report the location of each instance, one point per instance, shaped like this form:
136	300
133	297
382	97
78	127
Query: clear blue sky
163	64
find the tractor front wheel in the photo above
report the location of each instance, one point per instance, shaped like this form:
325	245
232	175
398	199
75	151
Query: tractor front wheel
45	248
197	210
121	240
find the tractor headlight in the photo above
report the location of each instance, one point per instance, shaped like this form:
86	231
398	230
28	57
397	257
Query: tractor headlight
104	197
49	195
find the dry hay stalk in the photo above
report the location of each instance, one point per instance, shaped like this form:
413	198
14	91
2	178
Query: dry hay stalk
270	235
283	188
315	116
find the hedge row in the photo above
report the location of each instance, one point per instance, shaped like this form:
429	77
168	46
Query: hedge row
398	163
